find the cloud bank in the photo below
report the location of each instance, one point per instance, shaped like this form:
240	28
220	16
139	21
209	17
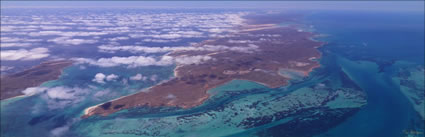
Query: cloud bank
249	48
58	97
139	61
138	77
23	54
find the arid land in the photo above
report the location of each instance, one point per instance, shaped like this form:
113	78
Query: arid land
13	84
267	49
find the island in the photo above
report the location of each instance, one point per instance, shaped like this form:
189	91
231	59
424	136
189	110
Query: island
411	81
262	53
13	84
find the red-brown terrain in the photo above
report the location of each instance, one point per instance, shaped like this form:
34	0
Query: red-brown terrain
13	84
266	48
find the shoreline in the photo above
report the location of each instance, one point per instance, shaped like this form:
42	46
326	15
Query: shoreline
15	97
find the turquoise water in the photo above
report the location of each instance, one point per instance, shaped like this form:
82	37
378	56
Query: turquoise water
39	115
227	113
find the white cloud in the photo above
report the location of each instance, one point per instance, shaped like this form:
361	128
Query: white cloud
137	35
154	77
61	93
138	61
82	67
187	60
44	33
138	77
118	38
170	96
17	42
4	45
240	41
108	48
88	23
249	48
54	27
23	54
101	93
6	68
167	36
104	94
99	78
111	77
61	131
90	28
153	27
8	28
170	35
216	30
299	64
33	90
161	40
65	33
9	39
245	49
71	41
58	97
124	81
132	61
5	28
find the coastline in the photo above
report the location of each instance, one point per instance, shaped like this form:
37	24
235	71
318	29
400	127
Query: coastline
15	97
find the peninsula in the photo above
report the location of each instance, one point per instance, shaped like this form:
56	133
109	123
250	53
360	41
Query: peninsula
13	84
256	52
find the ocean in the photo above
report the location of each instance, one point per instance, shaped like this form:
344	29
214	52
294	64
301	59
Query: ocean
363	42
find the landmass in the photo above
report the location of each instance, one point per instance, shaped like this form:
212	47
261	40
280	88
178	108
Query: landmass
13	84
257	52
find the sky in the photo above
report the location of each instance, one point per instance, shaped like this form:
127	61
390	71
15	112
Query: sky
348	5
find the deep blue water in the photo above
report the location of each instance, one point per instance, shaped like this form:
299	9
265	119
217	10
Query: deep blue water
373	39
373	35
